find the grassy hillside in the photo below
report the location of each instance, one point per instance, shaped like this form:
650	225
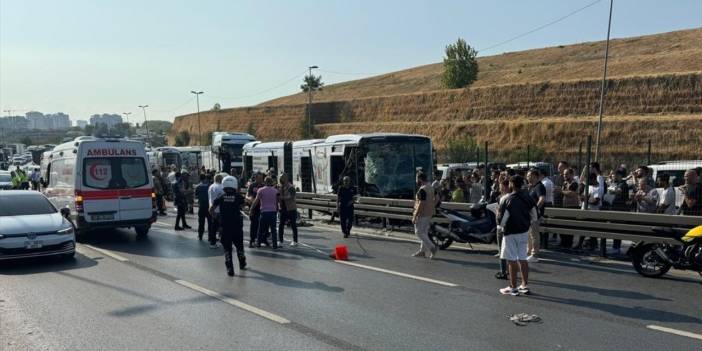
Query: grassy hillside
546	98
673	52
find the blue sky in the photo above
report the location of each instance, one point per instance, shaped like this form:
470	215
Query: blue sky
107	56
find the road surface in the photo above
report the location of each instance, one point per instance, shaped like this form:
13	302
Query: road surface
169	291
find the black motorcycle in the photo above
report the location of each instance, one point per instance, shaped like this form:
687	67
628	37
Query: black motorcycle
478	227
655	259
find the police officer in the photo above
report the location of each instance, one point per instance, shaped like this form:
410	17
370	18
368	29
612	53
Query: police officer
232	223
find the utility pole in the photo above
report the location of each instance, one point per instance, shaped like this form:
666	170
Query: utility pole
146	123
604	85
199	127
309	103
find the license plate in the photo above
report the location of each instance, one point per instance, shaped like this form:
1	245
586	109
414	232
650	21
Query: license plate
102	217
32	244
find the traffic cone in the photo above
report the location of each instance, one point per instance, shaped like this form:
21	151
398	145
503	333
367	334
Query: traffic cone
341	253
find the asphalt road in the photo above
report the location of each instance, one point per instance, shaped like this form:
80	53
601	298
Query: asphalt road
170	292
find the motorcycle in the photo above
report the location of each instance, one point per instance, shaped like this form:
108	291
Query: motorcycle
655	259
478	227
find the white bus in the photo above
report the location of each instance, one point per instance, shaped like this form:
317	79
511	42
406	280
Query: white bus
380	164
191	157
105	183
167	157
228	147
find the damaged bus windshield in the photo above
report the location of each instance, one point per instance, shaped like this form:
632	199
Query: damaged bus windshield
390	165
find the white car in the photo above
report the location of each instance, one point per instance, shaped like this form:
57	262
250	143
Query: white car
30	226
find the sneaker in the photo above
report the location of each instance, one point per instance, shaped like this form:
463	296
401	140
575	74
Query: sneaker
523	289
230	272
187	226
419	253
293	244
532	259
509	291
214	246
500	275
178	228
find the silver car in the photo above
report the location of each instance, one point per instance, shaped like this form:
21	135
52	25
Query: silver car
30	226
5	180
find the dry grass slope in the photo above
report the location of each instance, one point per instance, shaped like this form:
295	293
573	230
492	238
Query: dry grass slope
666	53
655	92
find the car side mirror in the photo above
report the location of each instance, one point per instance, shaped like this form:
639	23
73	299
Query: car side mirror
66	212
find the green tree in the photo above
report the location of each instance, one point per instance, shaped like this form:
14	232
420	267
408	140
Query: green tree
157	127
182	138
461	150
302	128
312	81
460	65
26	140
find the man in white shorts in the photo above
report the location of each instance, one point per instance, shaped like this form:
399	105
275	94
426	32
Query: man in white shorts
517	213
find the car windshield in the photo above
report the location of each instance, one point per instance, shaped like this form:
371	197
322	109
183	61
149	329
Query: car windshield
234	151
25	205
5	178
114	173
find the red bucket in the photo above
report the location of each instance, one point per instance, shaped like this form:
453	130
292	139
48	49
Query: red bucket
341	253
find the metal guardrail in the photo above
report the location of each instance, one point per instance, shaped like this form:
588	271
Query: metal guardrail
598	224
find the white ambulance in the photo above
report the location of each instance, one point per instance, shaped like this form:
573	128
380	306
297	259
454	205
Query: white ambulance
104	181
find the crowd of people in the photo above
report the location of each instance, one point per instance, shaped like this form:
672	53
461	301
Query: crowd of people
522	197
269	203
20	180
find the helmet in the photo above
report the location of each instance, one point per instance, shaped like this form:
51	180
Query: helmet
230	182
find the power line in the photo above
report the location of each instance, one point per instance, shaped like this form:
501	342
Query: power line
260	92
350	73
540	27
176	108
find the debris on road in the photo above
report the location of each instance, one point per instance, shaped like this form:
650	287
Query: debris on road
522	319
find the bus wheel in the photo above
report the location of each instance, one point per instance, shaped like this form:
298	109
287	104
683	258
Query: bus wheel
142	230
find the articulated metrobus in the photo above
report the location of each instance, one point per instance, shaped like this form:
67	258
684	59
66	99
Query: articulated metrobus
380	164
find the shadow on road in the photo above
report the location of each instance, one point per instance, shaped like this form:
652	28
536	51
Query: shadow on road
153	304
635	312
291	283
623	294
45	264
156	244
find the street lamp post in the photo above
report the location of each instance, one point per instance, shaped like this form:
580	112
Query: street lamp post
604	86
126	116
199	127
309	103
146	123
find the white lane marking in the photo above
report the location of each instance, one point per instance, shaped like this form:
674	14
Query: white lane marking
399	274
675	331
382	270
233	302
107	253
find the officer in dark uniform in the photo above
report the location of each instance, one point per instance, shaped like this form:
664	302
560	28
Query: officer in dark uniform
231	222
